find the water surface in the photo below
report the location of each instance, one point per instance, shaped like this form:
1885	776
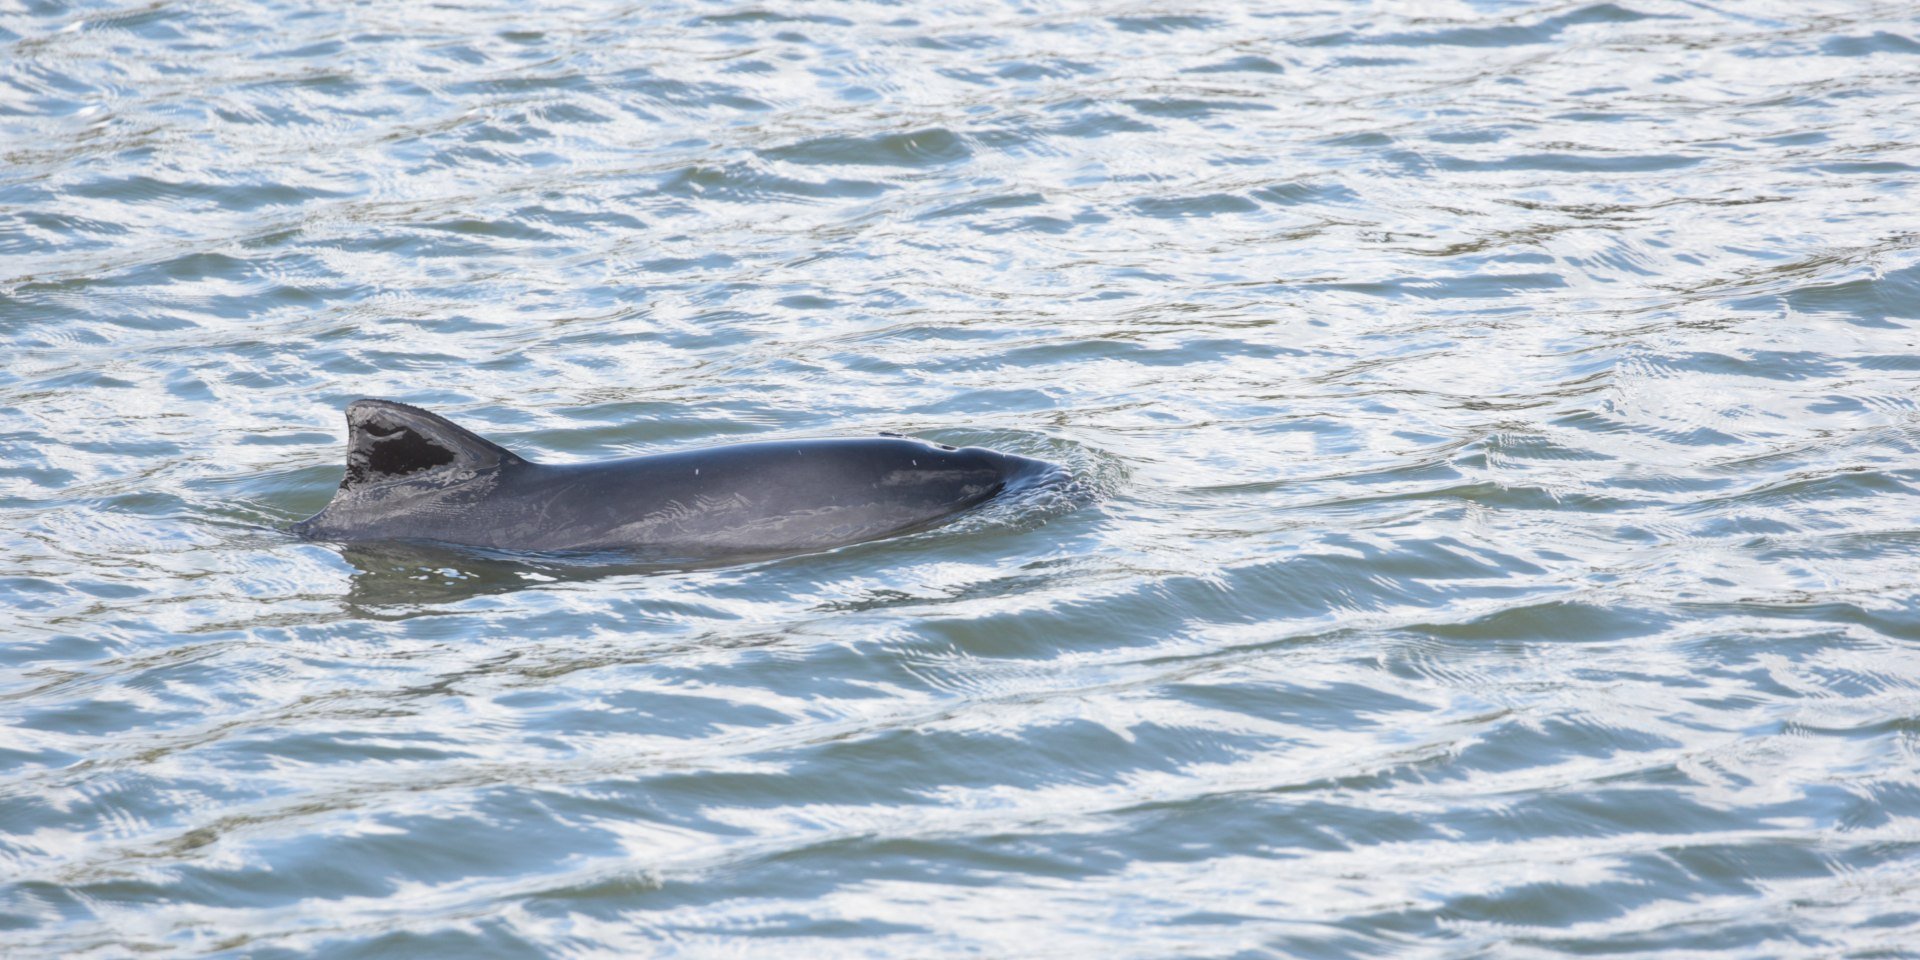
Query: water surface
1500	419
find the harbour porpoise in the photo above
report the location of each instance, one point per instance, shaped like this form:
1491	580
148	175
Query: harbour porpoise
414	475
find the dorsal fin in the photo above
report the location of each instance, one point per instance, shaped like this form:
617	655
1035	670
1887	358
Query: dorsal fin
389	441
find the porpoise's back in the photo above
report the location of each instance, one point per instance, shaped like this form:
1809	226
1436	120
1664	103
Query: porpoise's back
788	495
414	475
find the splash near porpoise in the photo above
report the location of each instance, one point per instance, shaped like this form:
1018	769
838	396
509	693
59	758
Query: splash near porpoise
414	475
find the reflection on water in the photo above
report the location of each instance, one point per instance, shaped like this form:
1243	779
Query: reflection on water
1492	432
407	576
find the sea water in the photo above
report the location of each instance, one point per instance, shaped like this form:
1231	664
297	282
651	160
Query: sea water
1497	424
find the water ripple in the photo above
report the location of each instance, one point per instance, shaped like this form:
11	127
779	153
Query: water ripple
1489	524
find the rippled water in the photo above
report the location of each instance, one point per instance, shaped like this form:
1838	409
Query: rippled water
1502	421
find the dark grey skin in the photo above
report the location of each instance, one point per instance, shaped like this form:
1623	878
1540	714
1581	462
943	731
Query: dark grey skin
413	475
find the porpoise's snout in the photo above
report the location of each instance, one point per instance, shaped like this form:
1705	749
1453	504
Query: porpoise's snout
1016	472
